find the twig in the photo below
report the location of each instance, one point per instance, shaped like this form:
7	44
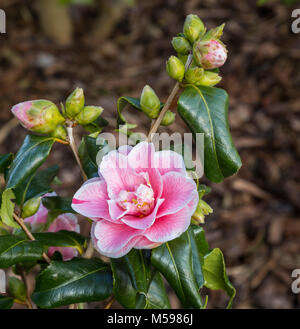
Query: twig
74	149
167	104
109	303
89	251
20	221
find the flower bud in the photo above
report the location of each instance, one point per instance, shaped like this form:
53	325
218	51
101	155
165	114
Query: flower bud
75	103
217	32
181	45
59	132
193	75
40	116
88	114
210	54
30	207
209	79
175	68
202	210
150	103
193	28
168	118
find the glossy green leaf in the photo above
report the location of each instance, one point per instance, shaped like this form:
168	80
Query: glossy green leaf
32	154
6	302
15	249
7	208
215	276
174	260
133	285
205	110
62	239
88	150
75	281
39	183
17	289
5	161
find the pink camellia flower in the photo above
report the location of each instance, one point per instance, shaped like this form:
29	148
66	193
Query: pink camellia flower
66	222
142	199
210	54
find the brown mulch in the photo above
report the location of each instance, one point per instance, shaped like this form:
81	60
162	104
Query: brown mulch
256	219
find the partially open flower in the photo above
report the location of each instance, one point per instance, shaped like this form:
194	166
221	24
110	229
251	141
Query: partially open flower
40	116
142	199
210	54
66	222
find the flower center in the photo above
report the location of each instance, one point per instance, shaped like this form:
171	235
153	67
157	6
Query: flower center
139	203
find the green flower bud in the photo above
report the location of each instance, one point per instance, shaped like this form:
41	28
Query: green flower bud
194	74
168	118
217	32
209	79
150	103
175	68
181	45
60	132
193	28
75	103
88	114
30	207
40	116
202	210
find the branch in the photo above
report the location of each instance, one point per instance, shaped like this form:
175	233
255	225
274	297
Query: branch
168	103
20	221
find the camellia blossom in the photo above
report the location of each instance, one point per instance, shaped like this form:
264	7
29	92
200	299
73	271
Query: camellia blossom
142	199
65	221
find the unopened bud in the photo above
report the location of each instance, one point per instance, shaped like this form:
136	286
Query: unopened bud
217	32
88	114
150	103
181	45
60	132
210	54
40	116
194	74
202	210
30	207
175	68
75	103
209	79
193	28
168	118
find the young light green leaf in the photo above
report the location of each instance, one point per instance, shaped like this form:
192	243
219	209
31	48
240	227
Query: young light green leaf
215	276
15	249
174	260
7	208
75	281
205	110
17	289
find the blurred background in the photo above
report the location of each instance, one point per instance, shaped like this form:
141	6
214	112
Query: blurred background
114	47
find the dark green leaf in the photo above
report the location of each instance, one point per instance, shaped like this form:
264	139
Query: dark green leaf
215	276
134	286
17	289
62	239
174	260
75	281
205	110
5	161
6	302
14	249
7	208
88	150
31	156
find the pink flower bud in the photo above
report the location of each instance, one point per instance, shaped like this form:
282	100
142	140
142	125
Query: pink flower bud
40	116
210	54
